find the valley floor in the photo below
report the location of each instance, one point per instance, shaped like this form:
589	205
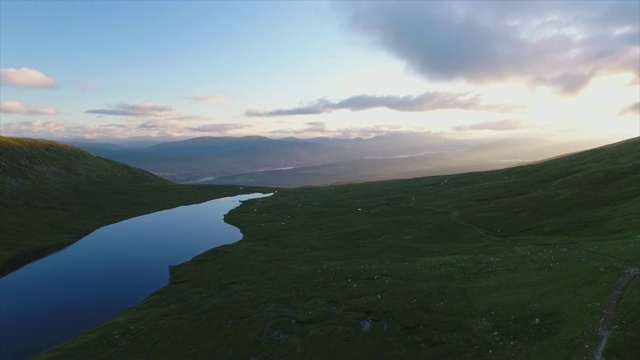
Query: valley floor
516	263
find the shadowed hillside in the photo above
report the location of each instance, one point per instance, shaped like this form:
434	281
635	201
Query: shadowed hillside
52	194
516	263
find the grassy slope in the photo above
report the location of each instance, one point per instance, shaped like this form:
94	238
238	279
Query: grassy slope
515	263
52	195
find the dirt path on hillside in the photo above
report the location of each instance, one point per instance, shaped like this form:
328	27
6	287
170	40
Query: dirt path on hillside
604	328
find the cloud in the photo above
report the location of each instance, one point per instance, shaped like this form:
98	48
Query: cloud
567	83
319	128
88	87
34	128
316	107
562	45
428	101
218	128
631	109
367	132
206	99
65	129
144	109
25	77
501	125
155	128
316	126
16	107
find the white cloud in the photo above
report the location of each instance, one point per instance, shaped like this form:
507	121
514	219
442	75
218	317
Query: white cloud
143	128
319	128
25	77
207	99
88	87
16	107
631	109
218	128
500	125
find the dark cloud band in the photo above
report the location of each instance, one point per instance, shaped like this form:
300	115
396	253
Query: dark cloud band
562	45
428	101
135	110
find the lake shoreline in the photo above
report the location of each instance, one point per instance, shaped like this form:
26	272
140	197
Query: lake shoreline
112	269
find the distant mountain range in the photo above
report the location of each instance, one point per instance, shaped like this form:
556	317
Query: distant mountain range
290	162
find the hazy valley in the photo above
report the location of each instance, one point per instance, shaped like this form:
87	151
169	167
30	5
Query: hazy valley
291	162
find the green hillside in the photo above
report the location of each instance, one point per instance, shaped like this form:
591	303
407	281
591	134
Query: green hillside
52	195
508	264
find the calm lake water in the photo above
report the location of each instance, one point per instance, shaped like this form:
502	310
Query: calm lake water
105	273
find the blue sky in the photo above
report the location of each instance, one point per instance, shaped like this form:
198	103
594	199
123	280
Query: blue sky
162	69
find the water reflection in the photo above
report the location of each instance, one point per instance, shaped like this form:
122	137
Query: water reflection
108	271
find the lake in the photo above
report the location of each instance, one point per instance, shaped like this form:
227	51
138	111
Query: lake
108	271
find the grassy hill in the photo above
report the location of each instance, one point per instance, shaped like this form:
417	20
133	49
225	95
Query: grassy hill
515	263
51	195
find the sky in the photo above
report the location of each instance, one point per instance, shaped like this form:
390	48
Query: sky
118	70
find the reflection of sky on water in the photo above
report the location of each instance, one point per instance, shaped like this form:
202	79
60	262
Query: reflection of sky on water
108	271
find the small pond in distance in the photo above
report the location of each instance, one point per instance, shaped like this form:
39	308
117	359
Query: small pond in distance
108	271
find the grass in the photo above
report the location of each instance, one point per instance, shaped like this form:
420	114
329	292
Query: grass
514	263
52	195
